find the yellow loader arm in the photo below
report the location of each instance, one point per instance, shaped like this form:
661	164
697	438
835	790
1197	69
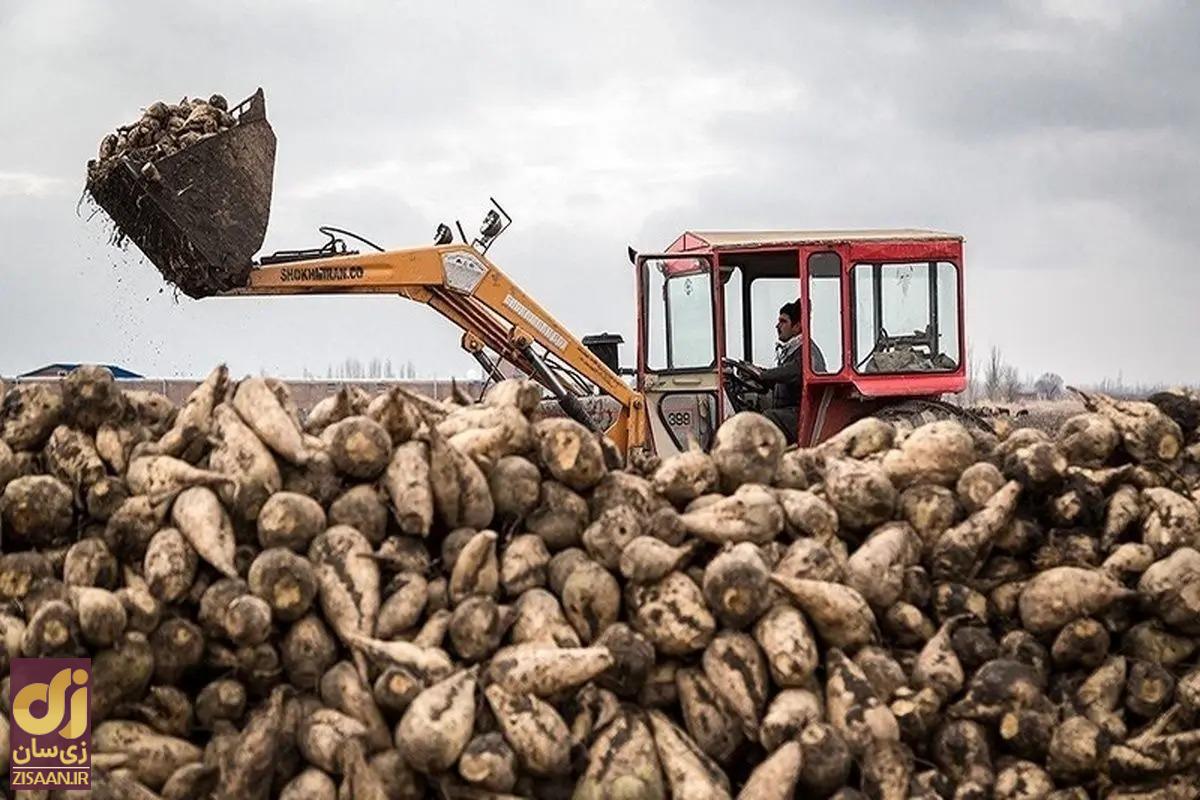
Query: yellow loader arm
200	214
465	287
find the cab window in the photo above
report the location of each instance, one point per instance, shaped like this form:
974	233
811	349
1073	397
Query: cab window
679	314
824	325
906	317
767	296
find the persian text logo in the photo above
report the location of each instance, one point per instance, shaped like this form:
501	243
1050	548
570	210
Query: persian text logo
51	723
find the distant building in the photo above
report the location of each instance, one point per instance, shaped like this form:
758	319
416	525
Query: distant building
59	370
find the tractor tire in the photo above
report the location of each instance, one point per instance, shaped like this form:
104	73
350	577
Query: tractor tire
908	415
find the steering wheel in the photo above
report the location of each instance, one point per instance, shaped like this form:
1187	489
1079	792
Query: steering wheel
740	376
881	344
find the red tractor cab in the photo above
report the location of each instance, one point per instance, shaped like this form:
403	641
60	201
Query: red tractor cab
882	317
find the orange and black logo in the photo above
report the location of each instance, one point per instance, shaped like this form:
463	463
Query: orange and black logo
51	723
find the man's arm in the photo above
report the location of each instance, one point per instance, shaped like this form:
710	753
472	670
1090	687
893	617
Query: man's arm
784	373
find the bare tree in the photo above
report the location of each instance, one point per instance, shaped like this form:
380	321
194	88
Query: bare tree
993	374
349	369
971	395
1049	386
1010	383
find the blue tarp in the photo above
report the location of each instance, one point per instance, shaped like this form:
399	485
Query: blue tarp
52	370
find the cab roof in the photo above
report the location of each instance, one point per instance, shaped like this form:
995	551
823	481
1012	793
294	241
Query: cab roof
701	240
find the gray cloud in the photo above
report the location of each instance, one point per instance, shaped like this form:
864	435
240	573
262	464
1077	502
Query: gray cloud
1059	138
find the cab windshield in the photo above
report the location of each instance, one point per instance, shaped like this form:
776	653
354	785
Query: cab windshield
679	314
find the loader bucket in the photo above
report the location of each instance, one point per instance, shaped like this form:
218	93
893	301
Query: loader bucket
199	215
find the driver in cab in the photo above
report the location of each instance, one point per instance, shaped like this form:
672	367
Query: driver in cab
781	403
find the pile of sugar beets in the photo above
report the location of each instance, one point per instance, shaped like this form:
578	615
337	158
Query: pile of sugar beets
166	128
400	598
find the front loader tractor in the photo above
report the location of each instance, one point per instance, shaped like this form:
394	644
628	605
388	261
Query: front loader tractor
883	308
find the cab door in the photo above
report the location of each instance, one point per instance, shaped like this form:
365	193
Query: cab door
678	349
824	289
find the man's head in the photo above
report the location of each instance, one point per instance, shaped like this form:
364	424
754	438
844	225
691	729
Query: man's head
788	324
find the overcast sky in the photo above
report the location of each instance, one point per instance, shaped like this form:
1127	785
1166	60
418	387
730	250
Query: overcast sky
1062	139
